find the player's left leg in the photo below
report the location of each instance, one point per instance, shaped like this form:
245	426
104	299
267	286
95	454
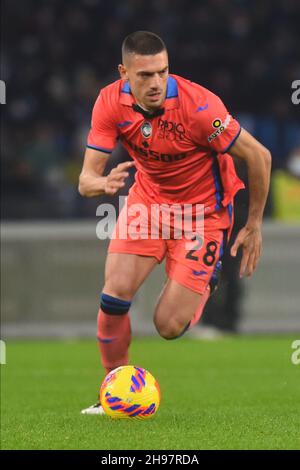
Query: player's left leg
192	276
176	309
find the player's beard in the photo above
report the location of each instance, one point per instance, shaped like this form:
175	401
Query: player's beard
157	102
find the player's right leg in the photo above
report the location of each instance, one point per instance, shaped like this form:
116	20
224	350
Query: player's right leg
124	273
130	259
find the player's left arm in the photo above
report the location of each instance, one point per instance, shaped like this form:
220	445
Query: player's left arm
258	161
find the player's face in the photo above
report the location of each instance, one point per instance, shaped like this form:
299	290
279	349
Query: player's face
147	76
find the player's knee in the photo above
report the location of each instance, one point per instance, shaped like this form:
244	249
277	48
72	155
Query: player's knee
171	329
119	288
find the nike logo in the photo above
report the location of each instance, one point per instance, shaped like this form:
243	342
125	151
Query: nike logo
199	273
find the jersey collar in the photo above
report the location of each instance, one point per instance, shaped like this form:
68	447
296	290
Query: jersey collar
171	101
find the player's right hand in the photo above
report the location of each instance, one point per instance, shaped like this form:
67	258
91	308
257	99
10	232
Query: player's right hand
116	178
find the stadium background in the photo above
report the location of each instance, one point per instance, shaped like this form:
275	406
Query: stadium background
55	56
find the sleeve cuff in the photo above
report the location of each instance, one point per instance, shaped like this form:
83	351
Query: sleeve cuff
232	142
100	149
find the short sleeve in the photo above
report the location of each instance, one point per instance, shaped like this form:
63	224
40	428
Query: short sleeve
213	126
103	133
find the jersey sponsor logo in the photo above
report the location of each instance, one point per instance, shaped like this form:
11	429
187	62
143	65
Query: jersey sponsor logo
146	129
153	155
217	123
219	126
170	130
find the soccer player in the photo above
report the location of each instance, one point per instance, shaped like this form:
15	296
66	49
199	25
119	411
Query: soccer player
181	139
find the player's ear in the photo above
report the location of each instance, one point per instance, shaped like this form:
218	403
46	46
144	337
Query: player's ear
123	72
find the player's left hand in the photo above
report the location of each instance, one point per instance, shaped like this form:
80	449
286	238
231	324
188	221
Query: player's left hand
250	239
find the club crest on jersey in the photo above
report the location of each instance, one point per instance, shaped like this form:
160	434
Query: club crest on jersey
146	129
219	126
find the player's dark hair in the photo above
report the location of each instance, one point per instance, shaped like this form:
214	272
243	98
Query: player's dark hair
143	43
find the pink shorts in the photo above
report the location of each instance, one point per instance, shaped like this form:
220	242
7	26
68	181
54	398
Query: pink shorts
190	262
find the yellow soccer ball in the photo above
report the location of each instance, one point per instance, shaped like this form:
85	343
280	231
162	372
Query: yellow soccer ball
130	392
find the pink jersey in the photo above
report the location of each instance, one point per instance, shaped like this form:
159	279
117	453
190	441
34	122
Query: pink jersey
181	156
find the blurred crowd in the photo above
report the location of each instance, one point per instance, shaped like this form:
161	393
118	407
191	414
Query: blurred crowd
57	54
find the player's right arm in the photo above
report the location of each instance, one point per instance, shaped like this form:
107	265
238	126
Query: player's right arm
100	144
91	180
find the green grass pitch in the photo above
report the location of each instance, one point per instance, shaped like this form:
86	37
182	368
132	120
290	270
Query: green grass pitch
233	393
